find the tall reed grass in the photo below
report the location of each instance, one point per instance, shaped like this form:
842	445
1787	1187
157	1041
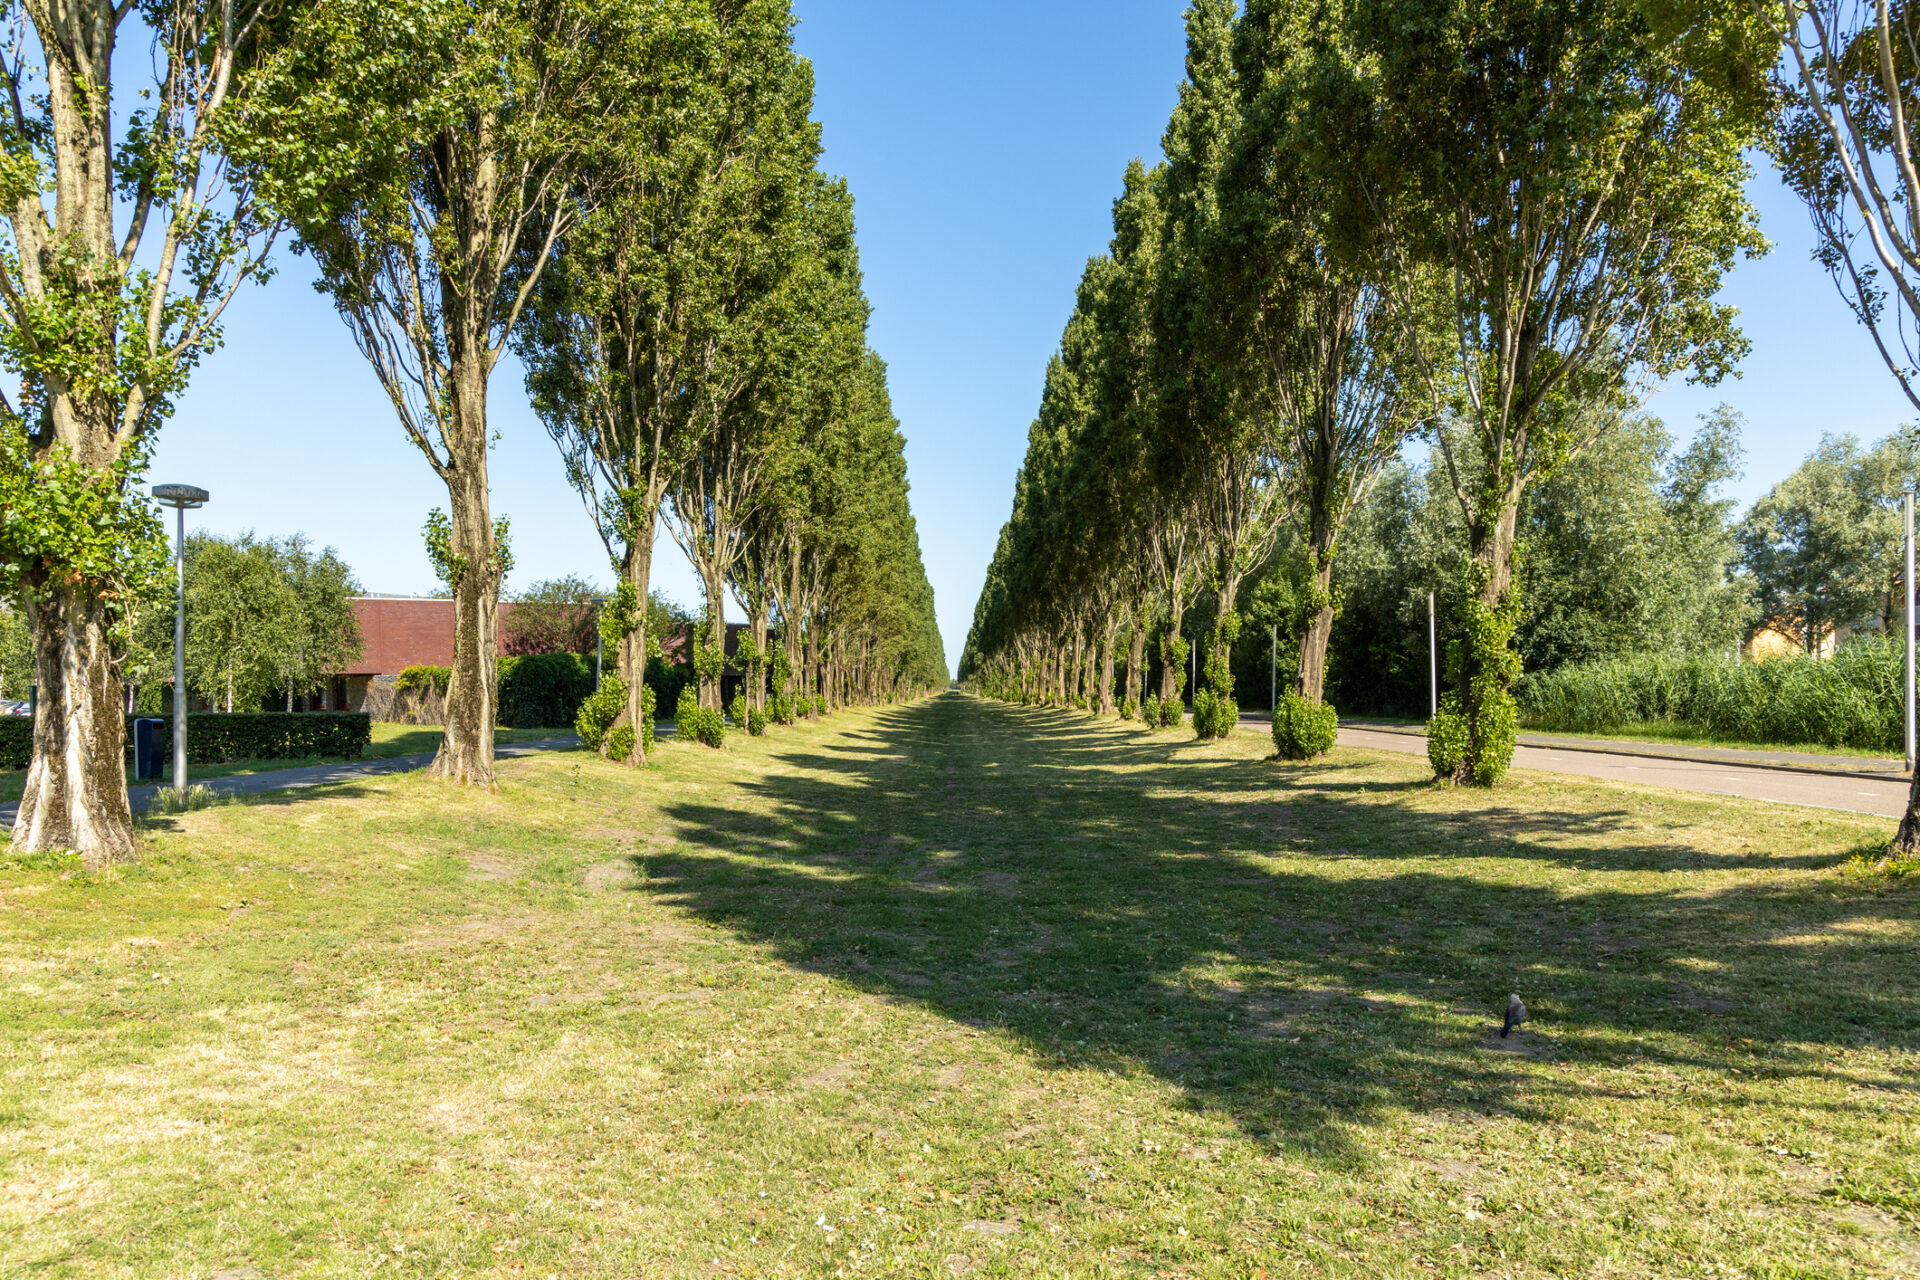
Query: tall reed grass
1849	700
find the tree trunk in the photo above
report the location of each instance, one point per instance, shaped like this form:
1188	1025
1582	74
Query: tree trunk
1217	664
1311	679
757	677
1489	670
1172	660
1107	707
1137	657
76	787
710	682
630	658
466	751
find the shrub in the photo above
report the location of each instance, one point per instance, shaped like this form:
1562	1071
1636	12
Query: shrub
780	709
597	714
737	711
1850	700
667	679
620	743
649	708
1171	712
1303	730
757	723
1447	738
197	796
422	679
820	705
710	727
215	736
543	691
1150	711
1127	708
1214	715
686	716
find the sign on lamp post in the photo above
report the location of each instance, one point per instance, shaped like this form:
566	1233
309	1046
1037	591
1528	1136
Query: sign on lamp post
182	498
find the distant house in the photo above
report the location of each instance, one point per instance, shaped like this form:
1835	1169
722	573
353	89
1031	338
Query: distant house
399	632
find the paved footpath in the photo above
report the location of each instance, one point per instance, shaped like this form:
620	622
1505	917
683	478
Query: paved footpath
318	775
1859	786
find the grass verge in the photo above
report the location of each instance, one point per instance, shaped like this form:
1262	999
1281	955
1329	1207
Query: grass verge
962	989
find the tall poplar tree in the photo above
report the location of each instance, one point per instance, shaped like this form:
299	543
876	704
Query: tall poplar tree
430	156
128	234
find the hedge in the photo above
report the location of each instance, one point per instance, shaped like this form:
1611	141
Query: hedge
213	737
1849	700
544	690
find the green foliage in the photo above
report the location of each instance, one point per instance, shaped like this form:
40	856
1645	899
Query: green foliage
448	565
1304	730
544	690
554	616
1214	715
737	710
1172	711
620	742
1127	708
649	709
1850	700
1150	711
213	737
421	678
597	714
757	723
686	715
1491	667
169	800
1447	739
710	728
820	704
667	679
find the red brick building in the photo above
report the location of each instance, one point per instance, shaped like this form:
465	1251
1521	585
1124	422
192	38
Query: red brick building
398	632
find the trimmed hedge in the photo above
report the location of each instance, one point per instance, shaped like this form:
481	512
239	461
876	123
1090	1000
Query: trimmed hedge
1304	730
544	690
213	737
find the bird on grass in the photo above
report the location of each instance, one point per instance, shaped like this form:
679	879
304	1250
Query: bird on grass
1516	1014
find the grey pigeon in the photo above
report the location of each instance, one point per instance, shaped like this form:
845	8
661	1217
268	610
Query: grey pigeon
1516	1014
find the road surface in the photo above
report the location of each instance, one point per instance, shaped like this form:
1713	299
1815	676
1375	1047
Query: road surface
1857	792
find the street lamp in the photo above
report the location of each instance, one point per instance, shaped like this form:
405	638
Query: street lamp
599	639
182	498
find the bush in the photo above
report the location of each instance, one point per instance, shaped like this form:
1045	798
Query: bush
422	679
686	716
1127	708
1304	730
780	709
757	723
544	691
649	708
597	714
710	728
620	743
737	711
820	705
1214	715
1171	712
276	735
1850	700
1447	738
667	679
197	796
1150	711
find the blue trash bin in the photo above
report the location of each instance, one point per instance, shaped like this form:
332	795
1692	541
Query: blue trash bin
149	750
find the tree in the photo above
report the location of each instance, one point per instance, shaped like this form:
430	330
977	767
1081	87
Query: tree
429	156
643	332
241	614
1823	545
129	234
1325	359
1577	182
323	632
555	616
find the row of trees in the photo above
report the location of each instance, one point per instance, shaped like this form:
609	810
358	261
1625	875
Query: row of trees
1375	217
626	192
1491	225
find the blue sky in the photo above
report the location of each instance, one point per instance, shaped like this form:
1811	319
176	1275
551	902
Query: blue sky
985	144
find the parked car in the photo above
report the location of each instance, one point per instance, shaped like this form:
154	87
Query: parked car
8	707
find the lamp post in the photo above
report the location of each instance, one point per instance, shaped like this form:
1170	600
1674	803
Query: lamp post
599	640
1433	661
1906	584
182	498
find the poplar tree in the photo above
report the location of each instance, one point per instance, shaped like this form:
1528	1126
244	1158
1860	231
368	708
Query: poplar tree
430	156
129	233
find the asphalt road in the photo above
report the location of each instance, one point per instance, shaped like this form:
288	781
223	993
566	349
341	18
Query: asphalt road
1881	795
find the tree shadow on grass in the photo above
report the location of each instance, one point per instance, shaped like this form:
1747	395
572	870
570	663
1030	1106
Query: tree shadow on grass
1107	900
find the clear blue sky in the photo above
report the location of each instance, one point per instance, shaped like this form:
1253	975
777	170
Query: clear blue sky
985	144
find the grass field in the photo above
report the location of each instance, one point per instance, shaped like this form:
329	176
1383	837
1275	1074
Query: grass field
389	740
962	989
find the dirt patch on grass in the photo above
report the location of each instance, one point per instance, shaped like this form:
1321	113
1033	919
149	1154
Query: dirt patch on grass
609	876
836	1075
485	866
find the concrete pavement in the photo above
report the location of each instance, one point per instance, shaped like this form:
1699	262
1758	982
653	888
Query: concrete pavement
1878	793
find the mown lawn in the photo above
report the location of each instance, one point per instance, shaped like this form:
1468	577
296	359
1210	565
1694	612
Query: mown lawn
962	989
389	740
